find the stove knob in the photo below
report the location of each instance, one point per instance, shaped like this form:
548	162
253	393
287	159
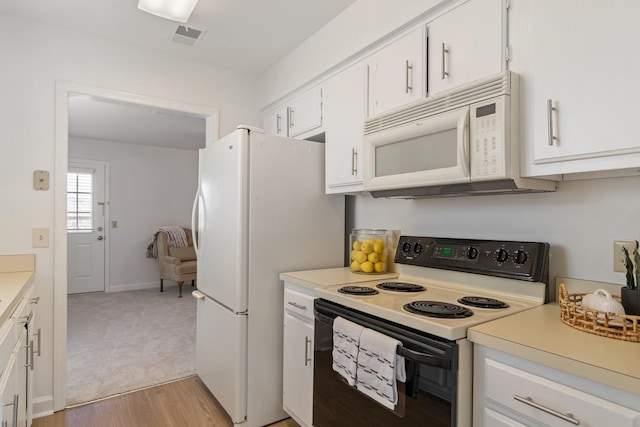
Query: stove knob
472	253
417	248
520	257
406	247
502	255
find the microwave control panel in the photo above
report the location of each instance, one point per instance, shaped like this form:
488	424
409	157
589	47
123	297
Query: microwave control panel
488	138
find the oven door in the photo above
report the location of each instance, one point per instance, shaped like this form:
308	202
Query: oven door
422	153
428	397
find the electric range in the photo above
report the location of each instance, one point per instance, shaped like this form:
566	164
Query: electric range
441	276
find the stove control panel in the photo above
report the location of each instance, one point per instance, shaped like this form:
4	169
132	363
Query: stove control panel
515	260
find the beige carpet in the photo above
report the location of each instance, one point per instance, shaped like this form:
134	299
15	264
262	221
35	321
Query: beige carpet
123	341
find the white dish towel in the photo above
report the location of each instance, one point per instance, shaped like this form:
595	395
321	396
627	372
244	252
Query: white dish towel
346	341
379	367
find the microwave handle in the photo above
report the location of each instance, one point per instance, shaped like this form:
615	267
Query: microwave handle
463	148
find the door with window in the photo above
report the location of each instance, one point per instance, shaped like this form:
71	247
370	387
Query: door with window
86	212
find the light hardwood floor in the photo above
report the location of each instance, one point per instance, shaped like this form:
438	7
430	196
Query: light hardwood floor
184	403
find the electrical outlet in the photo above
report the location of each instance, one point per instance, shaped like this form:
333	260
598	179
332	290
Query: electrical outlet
619	262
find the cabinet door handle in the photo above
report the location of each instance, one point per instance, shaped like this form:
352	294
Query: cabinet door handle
550	111
35	300
296	305
290	118
15	404
529	401
307	359
407	82
278	128
30	354
39	334
445	52
354	162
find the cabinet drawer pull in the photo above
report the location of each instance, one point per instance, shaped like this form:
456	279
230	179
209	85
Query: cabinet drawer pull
296	305
307	359
35	300
26	319
550	110
407	83
528	401
445	51
278	129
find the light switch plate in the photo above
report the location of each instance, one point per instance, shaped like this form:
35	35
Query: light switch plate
41	180
40	237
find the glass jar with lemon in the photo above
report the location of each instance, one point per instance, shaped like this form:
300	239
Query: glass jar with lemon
368	251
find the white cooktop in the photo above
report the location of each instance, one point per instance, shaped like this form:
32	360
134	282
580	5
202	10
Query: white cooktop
389	304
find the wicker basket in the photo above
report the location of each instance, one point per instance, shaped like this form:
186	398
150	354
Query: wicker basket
619	326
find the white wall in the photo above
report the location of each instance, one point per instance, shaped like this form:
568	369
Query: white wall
34	57
149	187
579	221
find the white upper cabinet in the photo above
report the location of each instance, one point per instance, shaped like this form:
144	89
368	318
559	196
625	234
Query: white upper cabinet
305	112
397	73
275	123
345	112
580	70
466	44
300	117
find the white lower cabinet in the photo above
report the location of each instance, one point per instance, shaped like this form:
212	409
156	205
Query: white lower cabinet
297	381
509	391
17	354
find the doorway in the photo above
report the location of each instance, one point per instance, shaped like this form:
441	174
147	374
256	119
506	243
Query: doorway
64	91
87	216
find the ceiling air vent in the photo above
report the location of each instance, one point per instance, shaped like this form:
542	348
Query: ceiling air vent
187	35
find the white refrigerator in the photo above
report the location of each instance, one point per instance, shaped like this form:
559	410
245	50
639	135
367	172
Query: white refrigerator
260	210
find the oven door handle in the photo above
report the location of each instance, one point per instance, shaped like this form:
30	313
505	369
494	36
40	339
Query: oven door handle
424	358
415	356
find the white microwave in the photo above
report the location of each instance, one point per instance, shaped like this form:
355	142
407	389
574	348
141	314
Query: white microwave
460	142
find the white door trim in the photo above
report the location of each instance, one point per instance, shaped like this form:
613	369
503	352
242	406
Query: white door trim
107	210
63	91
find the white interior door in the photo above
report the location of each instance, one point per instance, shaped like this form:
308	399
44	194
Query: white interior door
86	212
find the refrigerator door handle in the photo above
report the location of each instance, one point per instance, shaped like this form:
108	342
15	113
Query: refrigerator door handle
195	220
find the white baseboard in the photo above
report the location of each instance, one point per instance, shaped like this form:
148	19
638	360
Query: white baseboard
42	406
134	286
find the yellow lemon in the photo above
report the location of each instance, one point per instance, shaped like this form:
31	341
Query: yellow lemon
374	257
369	240
359	256
380	267
366	267
357	244
355	266
367	248
378	246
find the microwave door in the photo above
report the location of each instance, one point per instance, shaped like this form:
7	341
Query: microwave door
425	152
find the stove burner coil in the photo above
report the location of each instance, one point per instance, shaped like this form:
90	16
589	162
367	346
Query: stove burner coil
357	290
438	309
483	302
401	287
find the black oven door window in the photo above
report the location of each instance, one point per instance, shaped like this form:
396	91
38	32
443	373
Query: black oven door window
426	399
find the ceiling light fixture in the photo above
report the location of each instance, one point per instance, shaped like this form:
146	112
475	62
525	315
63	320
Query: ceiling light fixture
175	10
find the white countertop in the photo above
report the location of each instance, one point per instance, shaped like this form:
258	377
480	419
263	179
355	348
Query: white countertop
540	335
16	272
312	279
